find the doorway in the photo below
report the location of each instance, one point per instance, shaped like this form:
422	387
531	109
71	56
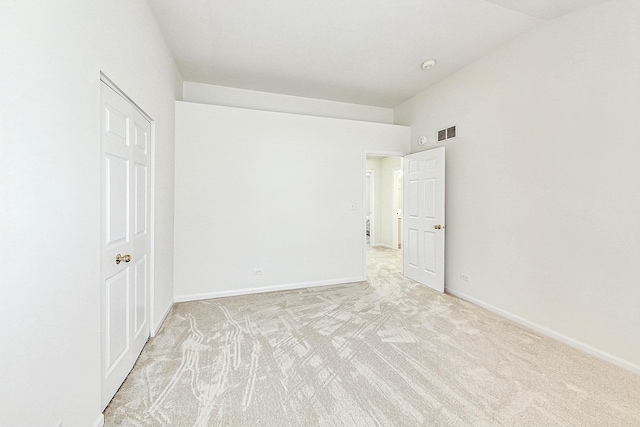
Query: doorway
383	210
412	225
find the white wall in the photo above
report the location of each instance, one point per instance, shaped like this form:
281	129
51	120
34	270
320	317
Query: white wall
52	54
386	220
267	190
388	194
373	164
543	194
255	100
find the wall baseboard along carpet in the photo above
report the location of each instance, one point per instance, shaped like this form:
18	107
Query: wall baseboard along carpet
615	360
291	286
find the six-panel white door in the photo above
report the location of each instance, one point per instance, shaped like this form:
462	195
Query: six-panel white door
125	142
423	218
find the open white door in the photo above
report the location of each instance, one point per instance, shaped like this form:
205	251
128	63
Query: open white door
126	145
423	223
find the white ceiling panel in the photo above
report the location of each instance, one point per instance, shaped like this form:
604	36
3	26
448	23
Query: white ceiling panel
359	51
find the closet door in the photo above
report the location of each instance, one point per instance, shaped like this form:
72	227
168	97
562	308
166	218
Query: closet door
125	143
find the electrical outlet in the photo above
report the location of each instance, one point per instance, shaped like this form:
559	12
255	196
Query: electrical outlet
464	277
257	271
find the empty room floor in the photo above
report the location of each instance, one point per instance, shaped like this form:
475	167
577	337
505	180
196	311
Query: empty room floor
383	352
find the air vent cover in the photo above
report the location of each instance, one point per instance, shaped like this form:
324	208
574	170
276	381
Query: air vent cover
451	132
447	133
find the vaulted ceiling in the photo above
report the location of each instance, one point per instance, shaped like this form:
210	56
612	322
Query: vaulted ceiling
359	51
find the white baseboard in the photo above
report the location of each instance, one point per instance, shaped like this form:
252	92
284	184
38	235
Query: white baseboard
99	421
615	360
156	328
236	292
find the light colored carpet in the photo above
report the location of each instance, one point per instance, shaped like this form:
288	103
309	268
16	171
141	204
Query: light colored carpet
386	352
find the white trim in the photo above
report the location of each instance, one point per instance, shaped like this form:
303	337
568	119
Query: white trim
99	421
550	333
397	173
371	207
380	153
106	80
265	289
152	234
157	328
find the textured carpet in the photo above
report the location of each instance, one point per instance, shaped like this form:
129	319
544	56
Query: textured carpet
385	352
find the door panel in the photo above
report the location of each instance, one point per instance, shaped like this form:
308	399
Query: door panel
140	200
423	226
125	142
412	199
430	250
430	164
116	124
430	199
412	248
141	284
141	139
117	289
117	199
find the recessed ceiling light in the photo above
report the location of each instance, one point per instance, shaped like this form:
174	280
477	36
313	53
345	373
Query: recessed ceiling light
428	64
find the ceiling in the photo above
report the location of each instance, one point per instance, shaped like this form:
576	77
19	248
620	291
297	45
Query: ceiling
360	51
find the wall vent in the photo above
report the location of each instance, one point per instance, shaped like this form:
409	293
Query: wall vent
447	133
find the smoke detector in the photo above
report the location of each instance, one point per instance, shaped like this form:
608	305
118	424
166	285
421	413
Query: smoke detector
428	64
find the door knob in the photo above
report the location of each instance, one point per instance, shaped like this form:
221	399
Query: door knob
437	226
122	258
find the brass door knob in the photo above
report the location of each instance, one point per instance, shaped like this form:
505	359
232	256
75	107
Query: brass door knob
122	258
437	226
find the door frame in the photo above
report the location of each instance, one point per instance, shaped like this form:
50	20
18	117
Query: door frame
365	153
397	178
371	205
153	328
